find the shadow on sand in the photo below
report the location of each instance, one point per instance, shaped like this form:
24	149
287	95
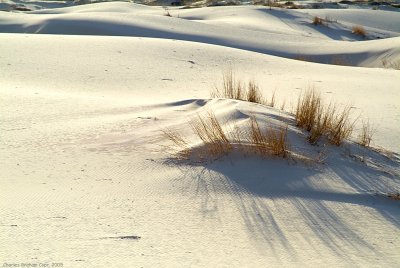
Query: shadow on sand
325	206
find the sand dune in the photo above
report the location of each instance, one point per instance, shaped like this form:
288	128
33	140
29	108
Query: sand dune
86	177
238	27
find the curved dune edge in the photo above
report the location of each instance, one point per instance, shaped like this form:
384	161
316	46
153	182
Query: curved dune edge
243	27
88	178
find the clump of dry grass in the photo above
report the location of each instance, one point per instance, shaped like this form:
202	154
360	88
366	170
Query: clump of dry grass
359	30
283	105
269	142
257	138
340	127
272	101
253	93
317	20
365	137
234	88
209	130
217	141
308	107
278	141
184	149
394	196
321	120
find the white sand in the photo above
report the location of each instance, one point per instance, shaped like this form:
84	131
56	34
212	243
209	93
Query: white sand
81	161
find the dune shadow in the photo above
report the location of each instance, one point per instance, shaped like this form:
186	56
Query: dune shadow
110	28
331	29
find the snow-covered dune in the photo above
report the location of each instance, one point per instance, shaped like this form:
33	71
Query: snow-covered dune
86	175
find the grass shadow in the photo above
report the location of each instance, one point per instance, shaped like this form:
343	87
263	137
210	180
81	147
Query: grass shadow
280	201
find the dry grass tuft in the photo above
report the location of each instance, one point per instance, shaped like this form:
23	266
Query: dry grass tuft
317	20
232	88
359	30
253	93
340	127
272	102
321	120
235	89
283	105
209	130
235	134
308	107
365	137
269	142
278	141
184	149
394	196
217	142
257	138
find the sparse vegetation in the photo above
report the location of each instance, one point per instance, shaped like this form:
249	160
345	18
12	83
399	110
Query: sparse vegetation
317	20
253	93
365	137
359	30
311	114
321	120
217	141
268	142
340	128
308	106
320	21
272	102
234	88
209	130
177	139
394	196
283	105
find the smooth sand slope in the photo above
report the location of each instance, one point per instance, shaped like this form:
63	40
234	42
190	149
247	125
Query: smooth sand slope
276	32
86	179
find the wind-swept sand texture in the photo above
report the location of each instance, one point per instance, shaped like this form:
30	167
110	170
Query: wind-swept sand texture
85	177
